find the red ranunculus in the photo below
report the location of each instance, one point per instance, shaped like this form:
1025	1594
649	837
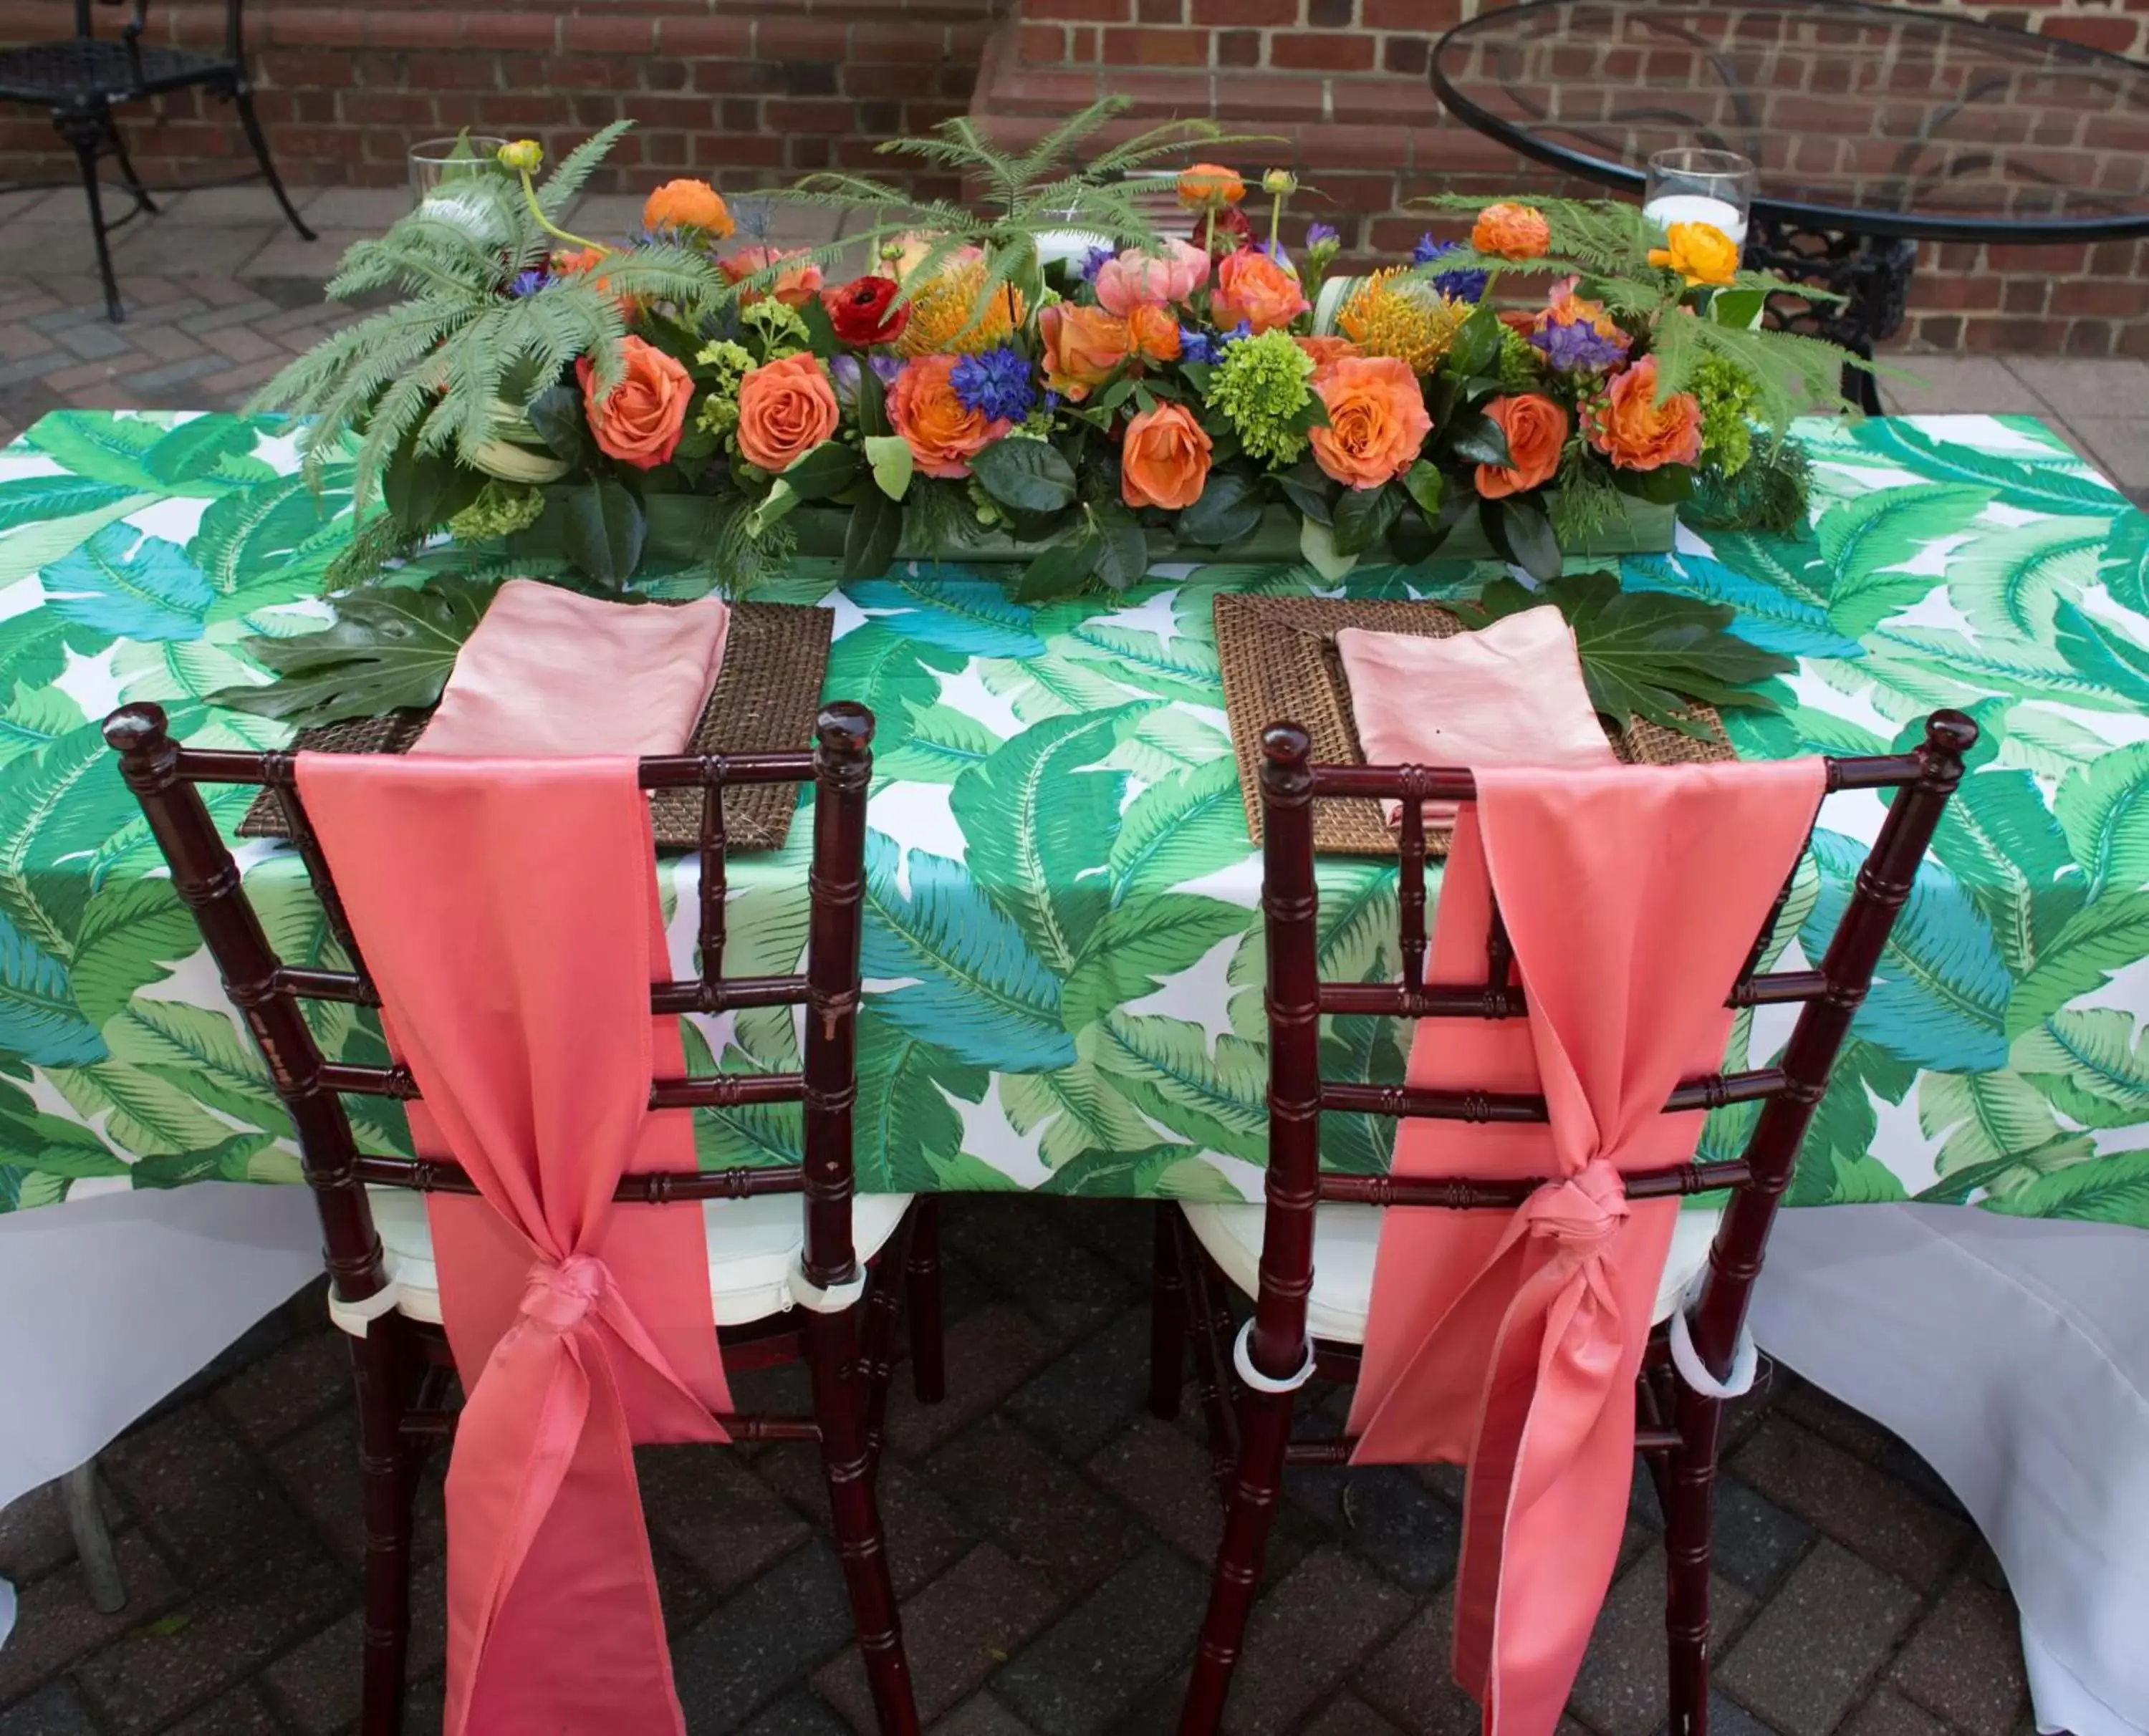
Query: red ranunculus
859	311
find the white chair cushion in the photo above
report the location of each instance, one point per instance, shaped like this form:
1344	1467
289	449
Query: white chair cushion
751	1242
1346	1238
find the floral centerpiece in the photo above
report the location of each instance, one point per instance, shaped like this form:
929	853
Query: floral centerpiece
1551	385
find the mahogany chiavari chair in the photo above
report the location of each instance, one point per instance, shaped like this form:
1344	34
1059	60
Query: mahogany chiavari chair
404	1369
1204	1252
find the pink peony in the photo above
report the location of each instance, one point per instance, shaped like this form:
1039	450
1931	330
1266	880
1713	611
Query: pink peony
1135	279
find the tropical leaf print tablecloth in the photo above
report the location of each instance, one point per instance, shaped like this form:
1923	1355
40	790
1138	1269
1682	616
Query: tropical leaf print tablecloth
1061	947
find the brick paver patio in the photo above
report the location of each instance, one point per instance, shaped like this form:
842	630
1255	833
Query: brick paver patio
1050	1538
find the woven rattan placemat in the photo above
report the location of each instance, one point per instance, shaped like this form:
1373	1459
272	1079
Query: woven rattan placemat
1280	665
766	698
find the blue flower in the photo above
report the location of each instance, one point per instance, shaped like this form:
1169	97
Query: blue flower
527	282
995	383
1455	285
1198	346
1093	262
1323	234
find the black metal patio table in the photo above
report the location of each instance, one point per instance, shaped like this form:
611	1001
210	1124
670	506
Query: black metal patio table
1873	127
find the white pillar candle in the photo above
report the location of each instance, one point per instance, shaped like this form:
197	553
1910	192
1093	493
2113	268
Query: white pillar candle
1068	245
1667	208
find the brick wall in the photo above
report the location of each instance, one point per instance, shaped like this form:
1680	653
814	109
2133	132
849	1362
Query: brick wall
1344	82
749	91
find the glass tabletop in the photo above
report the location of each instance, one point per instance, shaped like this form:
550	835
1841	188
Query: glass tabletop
1870	118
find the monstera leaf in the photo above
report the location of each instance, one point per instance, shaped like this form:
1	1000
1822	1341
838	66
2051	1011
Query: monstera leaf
392	646
1646	654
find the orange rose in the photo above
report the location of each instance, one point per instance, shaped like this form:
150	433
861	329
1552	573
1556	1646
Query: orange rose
1082	347
794	287
1635	431
579	259
1377	420
1536	429
1163	460
1210	184
785	410
1513	232
1152	334
638	420
688	205
942	435
1326	348
1254	289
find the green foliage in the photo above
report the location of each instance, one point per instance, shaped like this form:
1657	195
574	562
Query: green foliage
1769	493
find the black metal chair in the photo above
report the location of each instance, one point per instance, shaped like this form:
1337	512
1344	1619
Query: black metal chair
81	79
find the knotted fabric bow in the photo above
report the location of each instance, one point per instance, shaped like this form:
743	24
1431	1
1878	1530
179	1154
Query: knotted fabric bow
1511	1342
507	910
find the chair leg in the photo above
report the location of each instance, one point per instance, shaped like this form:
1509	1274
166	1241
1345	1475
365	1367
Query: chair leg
92	1540
1167	1316
1689	1485
384	1462
847	1462
85	133
118	143
921	1283
1256	1484
242	99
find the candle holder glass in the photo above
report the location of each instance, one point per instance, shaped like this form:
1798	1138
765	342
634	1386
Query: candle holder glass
1691	185
440	162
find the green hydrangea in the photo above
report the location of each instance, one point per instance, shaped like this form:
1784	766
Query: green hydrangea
781	328
719	412
1260	387
500	508
1727	398
1521	368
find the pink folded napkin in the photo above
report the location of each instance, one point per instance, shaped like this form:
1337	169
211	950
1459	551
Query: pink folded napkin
551	672
1510	694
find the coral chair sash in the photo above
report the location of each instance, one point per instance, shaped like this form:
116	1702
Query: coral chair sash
507	909
1511	1342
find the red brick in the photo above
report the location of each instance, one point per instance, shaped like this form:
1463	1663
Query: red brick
2115	36
1040	44
535	30
1431	16
704	36
1245	14
1078	12
610	32
1156	48
1325	51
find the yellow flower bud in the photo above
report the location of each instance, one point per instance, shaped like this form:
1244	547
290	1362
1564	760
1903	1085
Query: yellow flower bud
524	155
1281	182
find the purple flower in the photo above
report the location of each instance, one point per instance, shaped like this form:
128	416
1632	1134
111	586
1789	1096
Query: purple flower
1579	347
995	383
843	371
887	367
1323	234
527	282
1093	262
1456	285
1198	346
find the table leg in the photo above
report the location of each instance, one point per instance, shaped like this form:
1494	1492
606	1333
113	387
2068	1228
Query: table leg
1874	273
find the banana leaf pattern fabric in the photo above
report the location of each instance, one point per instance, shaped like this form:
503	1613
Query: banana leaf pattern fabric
1062	945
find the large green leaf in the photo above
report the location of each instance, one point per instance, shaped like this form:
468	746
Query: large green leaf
129	585
250	539
1079	1110
62	800
2103	806
2008	583
1218	1098
1182	827
2092	1063
99	447
145	1114
1038	817
1868	541
199	1050
392	646
2003	843
1140	945
2102	937
34	716
31	1139
1998	1126
2055	485
2110	1190
1163	1172
930	743
905	1125
39	1019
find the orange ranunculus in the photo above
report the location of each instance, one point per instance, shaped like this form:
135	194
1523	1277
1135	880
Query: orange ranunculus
1326	348
1635	431
1207	184
688	205
573	262
1253	288
1536	429
1377	420
786	409
942	435
1164	459
795	285
1152	334
1082	347
638	420
1513	232
1699	252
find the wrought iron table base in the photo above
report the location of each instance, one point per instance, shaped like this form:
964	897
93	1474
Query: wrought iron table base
1873	272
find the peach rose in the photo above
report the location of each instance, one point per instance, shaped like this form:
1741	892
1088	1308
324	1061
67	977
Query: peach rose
1377	420
1635	431
942	435
688	205
1164	460
1513	232
639	419
1210	184
1082	347
1253	288
1536	429
785	410
1135	279
795	286
1326	348
1152	334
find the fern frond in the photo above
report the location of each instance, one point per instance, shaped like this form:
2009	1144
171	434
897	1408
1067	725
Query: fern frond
1792	374
578	166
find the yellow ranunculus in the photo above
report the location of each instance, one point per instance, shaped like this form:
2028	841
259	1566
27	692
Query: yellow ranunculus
1699	252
